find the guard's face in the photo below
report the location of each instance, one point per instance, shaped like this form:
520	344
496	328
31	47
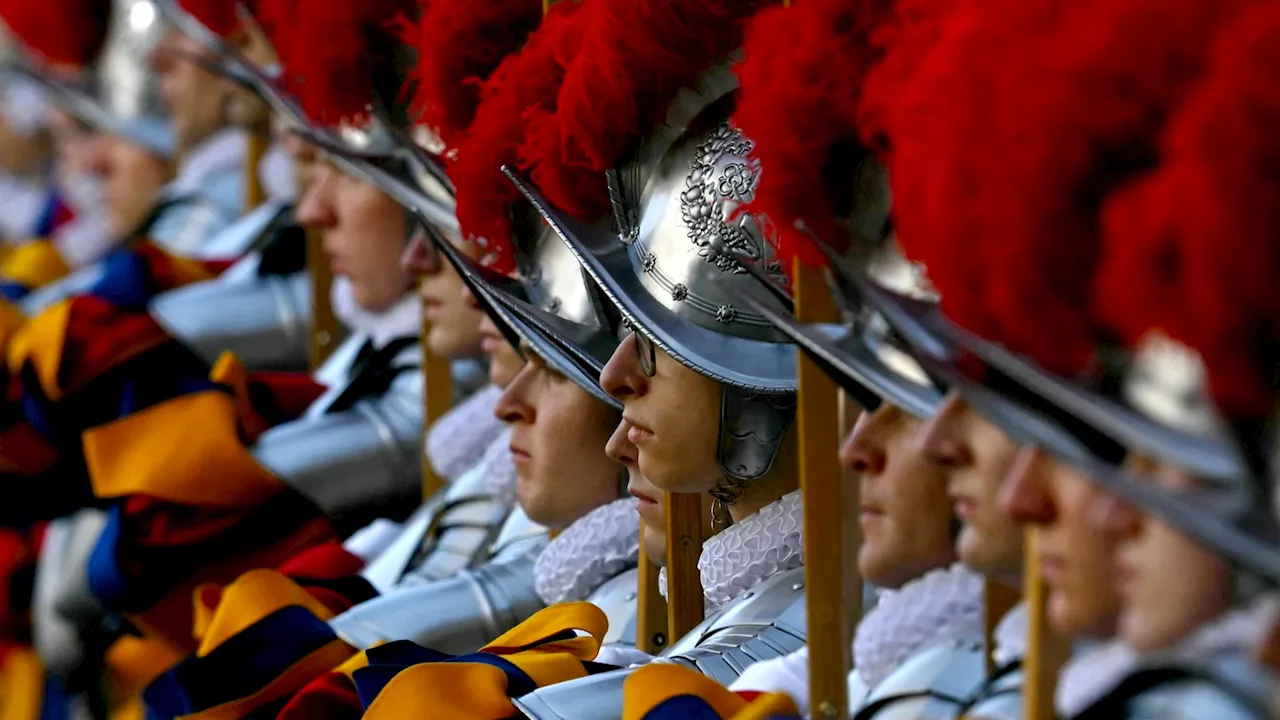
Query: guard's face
974	456
132	178
1168	584
650	501
674	415
78	183
454	318
1075	560
558	437
306	161
197	100
364	234
905	514
505	362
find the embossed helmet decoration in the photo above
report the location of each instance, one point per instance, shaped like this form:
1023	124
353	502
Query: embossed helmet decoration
678	173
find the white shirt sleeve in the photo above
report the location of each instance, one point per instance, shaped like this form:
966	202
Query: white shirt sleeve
789	674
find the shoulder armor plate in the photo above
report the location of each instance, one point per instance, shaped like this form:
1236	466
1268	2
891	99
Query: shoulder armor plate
935	682
265	321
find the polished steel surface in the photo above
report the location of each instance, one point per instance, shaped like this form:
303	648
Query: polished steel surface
355	463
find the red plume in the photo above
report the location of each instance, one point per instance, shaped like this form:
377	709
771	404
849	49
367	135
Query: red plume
220	16
62	32
459	44
337	52
801	80
1010	136
1212	216
635	56
915	29
278	19
524	82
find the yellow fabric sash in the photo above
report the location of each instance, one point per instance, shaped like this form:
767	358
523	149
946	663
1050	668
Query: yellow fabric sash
21	685
652	685
476	691
34	264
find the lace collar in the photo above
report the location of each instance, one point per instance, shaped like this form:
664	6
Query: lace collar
223	151
1237	632
603	543
1090	673
750	552
462	436
946	602
404	319
500	469
1094	671
1010	636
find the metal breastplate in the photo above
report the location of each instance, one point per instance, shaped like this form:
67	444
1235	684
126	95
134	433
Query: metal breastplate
183	224
938	682
765	623
361	462
246	233
265	321
617	598
63	604
385	570
461	532
1230	688
460	614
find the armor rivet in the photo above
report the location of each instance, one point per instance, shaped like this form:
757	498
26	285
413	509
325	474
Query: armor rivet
679	293
554	306
797	587
726	314
659	640
827	710
650	262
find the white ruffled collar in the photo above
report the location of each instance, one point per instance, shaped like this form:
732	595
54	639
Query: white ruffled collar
747	553
1091	672
223	151
1094	671
404	319
1236	632
946	602
1011	636
500	470
461	437
601	544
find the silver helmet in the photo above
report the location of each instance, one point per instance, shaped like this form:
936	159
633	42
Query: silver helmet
673	269
123	97
862	352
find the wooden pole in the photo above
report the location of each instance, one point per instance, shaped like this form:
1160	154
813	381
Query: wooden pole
324	324
997	601
254	193
833	593
438	396
652	635
1046	652
687	528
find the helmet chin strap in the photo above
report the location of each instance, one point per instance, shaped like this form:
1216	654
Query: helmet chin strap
753	427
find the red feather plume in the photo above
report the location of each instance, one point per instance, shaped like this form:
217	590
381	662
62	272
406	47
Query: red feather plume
800	84
337	49
1212	213
1010	136
220	16
61	32
459	44
277	19
635	56
523	83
